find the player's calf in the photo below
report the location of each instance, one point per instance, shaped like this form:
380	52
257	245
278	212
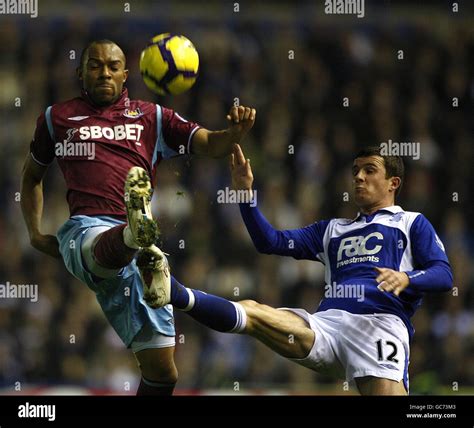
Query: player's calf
138	192
281	330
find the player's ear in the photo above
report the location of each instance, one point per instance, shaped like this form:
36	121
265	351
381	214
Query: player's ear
394	183
79	73
125	75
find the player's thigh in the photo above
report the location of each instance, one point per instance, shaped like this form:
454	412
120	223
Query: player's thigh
157	364
281	330
155	354
374	350
370	385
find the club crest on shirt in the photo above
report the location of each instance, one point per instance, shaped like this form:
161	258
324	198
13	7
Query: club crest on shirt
396	217
133	114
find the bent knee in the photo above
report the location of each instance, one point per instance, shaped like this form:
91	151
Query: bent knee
158	373
157	365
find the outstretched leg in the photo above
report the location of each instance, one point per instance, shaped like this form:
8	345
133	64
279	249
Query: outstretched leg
283	331
106	252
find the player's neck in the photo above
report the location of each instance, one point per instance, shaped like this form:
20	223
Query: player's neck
85	95
370	209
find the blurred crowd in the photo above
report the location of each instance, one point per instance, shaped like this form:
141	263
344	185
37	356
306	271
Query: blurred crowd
321	92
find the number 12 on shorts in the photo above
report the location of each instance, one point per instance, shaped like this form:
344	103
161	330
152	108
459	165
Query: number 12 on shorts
392	351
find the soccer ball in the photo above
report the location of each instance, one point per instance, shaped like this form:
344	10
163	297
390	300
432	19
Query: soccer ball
169	64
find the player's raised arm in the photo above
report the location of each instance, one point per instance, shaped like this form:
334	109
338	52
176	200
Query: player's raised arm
303	243
218	144
32	206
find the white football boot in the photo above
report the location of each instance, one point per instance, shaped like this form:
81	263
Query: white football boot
151	261
155	273
138	193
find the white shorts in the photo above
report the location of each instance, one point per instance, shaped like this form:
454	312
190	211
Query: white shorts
353	345
147	338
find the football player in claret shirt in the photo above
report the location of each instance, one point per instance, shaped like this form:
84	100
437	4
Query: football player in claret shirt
378	266
108	147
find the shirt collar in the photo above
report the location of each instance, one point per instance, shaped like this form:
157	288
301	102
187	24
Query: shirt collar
391	209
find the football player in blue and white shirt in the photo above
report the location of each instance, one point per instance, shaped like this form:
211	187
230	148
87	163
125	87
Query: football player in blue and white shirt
377	268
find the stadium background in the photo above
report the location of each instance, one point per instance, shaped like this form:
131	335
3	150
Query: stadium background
299	104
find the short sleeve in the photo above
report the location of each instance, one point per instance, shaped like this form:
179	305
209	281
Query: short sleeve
176	133
42	145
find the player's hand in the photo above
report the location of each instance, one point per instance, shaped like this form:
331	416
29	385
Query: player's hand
391	280
241	120
242	176
47	244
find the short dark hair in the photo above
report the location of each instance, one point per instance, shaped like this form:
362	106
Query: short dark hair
394	166
94	42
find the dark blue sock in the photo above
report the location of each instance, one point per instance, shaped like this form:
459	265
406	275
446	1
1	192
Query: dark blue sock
212	311
179	294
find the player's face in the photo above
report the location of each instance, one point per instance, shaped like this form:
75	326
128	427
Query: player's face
371	188
104	73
